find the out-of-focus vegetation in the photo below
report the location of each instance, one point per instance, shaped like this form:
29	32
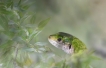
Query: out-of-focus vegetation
18	31
23	41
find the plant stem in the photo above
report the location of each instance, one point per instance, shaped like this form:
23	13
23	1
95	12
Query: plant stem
15	55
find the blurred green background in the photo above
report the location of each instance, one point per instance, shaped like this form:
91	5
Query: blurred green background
25	27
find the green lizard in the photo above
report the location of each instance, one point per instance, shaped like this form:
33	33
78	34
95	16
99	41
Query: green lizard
68	43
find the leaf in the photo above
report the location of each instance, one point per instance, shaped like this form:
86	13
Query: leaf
43	23
40	43
25	7
27	61
23	58
30	49
4	22
3	10
95	58
10	4
2	4
39	28
90	66
33	18
19	2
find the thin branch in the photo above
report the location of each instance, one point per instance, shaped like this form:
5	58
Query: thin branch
16	55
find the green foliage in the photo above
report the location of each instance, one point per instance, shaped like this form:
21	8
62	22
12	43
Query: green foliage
18	28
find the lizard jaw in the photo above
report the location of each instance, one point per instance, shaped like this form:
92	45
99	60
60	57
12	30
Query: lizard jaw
64	47
67	50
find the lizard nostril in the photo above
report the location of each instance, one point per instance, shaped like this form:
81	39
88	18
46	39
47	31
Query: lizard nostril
50	36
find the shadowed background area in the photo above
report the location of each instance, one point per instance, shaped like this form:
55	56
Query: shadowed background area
81	18
84	19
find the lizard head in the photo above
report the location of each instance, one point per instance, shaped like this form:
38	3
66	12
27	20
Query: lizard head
63	41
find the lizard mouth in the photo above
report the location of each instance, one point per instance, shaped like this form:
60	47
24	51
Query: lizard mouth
64	47
53	42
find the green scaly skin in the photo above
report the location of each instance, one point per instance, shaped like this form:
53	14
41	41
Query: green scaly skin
68	43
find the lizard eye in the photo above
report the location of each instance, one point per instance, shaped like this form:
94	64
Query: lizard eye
59	39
